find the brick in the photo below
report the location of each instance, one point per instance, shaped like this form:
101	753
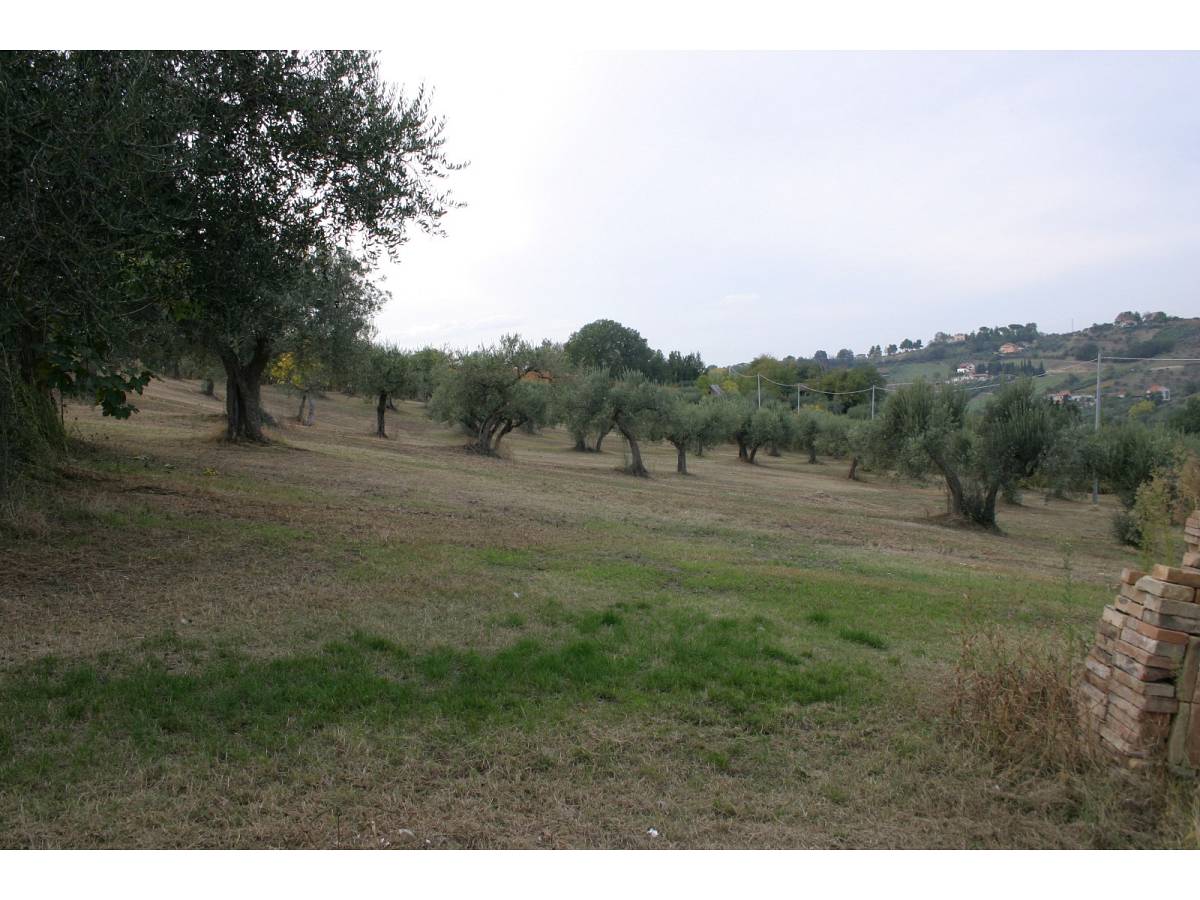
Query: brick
1139	671
1150	688
1130	576
1093	694
1155	633
1113	616
1188	684
1119	739
1099	682
1138	725
1100	655
1108	630
1106	643
1165	605
1177	739
1128	591
1192	741
1143	702
1191	560
1175	623
1146	658
1166	589
1172	575
1162	649
1130	607
1100	669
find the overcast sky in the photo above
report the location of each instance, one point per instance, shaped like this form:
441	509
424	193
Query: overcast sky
738	204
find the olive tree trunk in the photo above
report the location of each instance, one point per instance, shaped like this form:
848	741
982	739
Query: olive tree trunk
636	466
243	393
381	415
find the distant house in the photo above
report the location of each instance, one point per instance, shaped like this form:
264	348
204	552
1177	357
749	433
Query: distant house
1059	397
1126	320
958	338
1010	348
1158	392
966	368
1085	399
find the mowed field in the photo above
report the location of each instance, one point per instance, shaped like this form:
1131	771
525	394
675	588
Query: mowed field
342	641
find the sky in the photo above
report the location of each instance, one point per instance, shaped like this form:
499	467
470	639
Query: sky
744	203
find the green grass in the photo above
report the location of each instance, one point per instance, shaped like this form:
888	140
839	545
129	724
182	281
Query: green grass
862	637
62	720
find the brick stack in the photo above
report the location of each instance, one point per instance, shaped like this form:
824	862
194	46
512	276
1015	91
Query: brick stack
1141	691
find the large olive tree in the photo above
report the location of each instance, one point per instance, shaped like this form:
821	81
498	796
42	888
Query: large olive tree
86	209
284	157
925	427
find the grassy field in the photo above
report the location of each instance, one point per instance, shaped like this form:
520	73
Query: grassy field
341	641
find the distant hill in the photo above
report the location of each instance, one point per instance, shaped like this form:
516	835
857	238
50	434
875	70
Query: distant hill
1069	361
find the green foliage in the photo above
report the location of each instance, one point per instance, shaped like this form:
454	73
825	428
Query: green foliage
638	409
806	431
697	426
755	428
1141	409
387	370
616	348
1186	417
583	402
853	383
85	170
261	248
926	429
1126	454
486	392
610	346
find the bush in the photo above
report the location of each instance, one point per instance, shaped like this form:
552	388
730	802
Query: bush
1125	528
1018	700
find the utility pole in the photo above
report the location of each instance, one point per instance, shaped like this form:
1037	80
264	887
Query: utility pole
872	402
1096	475
797	398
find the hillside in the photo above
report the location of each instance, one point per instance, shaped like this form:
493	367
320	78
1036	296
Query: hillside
1069	362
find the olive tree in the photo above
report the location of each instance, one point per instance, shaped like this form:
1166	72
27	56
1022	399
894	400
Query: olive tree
86	205
386	372
637	408
926	428
755	428
807	430
489	393
687	425
583	399
284	157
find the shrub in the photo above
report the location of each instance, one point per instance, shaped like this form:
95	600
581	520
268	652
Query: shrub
1125	528
1017	700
